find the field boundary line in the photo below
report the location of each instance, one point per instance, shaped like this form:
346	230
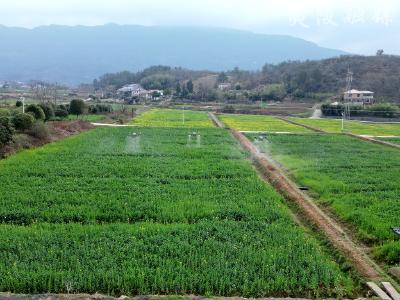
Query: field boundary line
215	120
300	124
332	230
372	140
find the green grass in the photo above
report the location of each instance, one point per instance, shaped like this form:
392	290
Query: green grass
159	213
391	140
89	118
259	123
360	181
356	127
173	118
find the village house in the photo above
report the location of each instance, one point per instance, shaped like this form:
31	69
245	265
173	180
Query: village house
224	86
136	90
358	97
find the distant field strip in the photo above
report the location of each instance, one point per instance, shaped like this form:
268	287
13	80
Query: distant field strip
139	211
173	118
360	181
355	127
259	123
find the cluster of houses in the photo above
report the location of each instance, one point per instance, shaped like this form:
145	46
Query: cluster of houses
135	90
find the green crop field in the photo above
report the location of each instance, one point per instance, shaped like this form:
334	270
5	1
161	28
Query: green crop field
395	140
173	118
259	123
359	180
356	127
88	117
153	211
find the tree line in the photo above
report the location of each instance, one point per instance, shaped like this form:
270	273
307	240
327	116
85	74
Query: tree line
291	79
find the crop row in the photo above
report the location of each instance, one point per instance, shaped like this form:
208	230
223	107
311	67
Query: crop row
173	118
360	181
356	127
153	211
259	123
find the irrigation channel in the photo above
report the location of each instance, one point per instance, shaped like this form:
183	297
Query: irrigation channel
331	229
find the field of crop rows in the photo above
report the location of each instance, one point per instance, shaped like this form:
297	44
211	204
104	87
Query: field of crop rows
356	127
173	118
153	211
259	123
359	180
391	140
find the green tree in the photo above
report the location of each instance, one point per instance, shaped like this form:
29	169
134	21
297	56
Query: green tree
178	90
48	110
189	86
36	111
77	107
222	77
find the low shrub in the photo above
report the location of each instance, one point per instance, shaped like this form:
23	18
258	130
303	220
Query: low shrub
40	130
4	112
6	131
22	121
61	113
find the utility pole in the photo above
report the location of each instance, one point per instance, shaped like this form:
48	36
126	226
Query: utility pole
346	108
23	104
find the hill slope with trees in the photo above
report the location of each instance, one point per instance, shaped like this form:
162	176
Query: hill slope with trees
380	74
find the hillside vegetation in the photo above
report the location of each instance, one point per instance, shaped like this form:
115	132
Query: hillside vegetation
380	74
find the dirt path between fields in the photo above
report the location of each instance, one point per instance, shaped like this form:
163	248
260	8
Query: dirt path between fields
332	230
302	125
215	120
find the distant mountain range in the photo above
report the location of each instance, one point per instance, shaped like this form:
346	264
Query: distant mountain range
73	55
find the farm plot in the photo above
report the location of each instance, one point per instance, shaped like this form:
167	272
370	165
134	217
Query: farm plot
259	123
156	212
360	181
356	127
394	140
173	118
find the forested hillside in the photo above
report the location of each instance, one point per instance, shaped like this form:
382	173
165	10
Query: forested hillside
318	79
380	74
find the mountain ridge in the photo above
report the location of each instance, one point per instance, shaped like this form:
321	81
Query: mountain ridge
75	54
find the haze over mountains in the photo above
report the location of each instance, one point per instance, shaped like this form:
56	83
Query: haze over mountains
72	55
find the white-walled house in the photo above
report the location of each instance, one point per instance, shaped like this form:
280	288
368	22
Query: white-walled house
136	90
358	97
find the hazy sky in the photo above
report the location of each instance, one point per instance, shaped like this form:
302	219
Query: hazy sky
353	25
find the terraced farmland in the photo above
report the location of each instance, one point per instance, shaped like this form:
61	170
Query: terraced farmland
356	127
259	123
358	180
173	118
156	212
